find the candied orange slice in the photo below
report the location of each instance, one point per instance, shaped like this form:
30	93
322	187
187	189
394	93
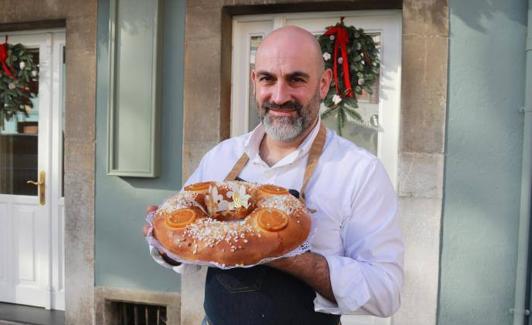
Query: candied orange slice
198	187
180	218
271	219
272	189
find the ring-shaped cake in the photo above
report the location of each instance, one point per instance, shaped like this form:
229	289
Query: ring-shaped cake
231	223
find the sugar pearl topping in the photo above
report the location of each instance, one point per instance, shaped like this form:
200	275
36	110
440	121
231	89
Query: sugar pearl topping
212	231
179	201
285	203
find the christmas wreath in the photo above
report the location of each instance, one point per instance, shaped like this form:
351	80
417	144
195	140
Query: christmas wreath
17	71
354	60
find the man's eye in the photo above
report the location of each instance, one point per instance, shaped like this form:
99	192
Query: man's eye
265	78
297	79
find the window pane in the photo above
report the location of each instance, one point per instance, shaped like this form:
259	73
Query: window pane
363	134
253	120
19	147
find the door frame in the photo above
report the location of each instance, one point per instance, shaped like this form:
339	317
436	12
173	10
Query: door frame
387	22
50	262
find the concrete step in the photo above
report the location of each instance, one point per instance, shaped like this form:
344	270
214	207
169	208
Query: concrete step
7	322
11	314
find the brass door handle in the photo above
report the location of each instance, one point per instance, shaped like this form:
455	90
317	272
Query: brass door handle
40	186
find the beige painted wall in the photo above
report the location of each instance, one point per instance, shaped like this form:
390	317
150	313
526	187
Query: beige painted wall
79	17
423	109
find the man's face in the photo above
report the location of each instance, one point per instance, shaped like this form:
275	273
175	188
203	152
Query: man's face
289	87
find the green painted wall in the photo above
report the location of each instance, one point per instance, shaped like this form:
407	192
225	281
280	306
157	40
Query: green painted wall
122	258
483	161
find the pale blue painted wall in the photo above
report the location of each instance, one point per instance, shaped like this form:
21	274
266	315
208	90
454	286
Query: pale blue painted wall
483	161
122	258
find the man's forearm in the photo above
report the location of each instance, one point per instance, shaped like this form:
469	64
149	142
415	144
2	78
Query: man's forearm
311	268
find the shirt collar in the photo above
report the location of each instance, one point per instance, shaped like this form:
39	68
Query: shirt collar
252	145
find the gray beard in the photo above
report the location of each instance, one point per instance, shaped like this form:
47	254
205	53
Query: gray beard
283	129
287	128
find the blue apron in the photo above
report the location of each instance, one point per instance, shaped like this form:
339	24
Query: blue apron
261	295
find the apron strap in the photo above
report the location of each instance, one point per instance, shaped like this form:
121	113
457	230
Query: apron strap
313	157
237	168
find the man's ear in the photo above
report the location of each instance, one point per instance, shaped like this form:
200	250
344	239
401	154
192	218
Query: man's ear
325	82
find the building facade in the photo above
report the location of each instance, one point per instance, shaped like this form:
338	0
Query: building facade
148	90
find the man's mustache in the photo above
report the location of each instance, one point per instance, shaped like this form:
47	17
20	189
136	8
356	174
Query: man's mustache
288	105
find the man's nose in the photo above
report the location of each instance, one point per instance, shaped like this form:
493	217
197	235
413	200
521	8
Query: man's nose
281	93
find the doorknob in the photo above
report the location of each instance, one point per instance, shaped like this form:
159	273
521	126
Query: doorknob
40	186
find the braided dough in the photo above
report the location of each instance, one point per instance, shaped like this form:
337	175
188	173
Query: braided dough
231	223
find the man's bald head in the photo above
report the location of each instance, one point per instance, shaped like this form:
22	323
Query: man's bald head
289	81
292	40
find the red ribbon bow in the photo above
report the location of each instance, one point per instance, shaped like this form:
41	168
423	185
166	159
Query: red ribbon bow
3	58
341	40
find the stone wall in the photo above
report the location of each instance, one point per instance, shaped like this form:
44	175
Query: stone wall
79	18
421	154
423	109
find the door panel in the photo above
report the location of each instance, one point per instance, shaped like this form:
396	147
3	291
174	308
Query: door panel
25	242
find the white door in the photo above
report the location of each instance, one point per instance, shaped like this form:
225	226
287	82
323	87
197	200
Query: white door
383	106
382	138
31	216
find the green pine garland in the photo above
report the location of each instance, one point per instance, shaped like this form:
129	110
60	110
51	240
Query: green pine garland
15	93
364	68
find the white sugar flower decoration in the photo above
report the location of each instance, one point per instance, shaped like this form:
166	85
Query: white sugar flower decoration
331	37
241	198
215	202
336	99
326	56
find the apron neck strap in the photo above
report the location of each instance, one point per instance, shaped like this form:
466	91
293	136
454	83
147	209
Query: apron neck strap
314	154
237	168
313	157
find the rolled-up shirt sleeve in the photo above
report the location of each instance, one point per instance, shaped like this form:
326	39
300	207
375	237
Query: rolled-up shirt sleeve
368	277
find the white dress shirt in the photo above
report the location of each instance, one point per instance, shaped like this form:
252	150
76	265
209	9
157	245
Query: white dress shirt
355	226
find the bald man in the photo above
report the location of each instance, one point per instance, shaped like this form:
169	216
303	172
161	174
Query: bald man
355	264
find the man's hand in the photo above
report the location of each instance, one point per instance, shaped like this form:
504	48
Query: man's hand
309	267
149	209
146	229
